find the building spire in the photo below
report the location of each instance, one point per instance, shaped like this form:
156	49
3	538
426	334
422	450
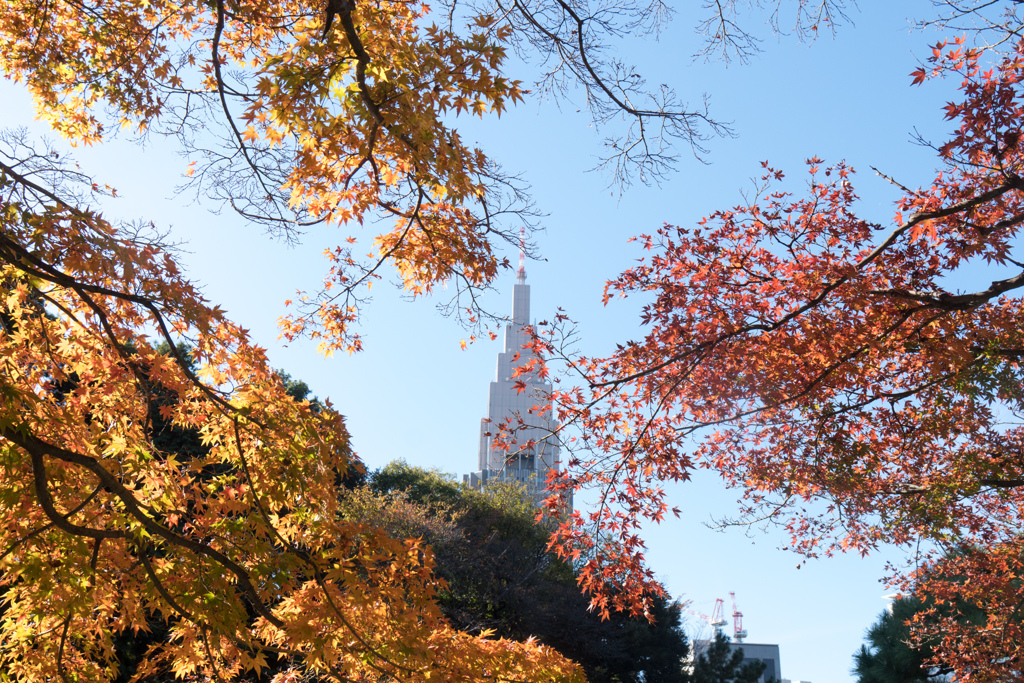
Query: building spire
519	437
521	277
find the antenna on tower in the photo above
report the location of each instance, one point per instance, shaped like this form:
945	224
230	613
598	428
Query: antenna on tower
521	278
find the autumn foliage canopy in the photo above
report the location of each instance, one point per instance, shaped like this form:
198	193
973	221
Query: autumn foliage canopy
860	383
817	360
241	552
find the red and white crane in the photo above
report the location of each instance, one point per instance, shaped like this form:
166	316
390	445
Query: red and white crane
717	618
738	632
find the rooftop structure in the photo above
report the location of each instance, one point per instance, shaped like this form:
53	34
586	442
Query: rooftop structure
769	654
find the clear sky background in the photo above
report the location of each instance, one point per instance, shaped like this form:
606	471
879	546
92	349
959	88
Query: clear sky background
414	394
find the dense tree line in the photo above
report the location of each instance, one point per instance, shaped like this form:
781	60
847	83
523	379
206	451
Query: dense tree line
501	578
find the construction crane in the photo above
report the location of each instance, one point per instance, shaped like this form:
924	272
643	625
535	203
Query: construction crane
717	618
716	621
738	632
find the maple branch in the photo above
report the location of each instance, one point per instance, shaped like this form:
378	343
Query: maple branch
728	34
382	258
776	508
827	372
348	291
609	86
60	649
895	397
161	589
46	501
274	219
915	489
1008	26
1013	220
1002	483
906	190
215	47
94	559
1014	183
362	62
37	449
42	269
18	255
580	44
74	511
256	498
352	629
203	634
956	302
24	180
371	142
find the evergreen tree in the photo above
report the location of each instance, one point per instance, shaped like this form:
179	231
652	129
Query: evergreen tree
428	487
721	664
889	655
492	552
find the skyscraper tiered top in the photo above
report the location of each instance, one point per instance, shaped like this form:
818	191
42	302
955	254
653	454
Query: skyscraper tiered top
519	405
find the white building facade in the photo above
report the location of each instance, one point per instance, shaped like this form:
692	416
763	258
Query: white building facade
519	406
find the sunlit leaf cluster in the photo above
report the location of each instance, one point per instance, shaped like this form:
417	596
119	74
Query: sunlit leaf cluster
243	551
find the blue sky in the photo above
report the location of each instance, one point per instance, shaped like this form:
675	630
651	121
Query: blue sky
414	394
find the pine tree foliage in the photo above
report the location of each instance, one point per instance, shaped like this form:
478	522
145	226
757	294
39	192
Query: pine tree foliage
719	663
891	655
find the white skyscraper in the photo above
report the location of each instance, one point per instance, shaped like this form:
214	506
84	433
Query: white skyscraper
520	405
